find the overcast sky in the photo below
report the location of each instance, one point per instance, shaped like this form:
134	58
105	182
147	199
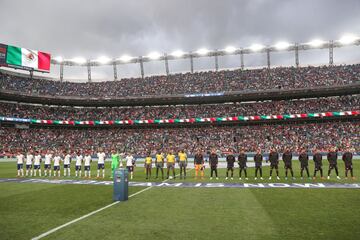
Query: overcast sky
112	27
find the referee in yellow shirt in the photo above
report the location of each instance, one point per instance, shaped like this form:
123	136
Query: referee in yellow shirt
170	160
148	165
159	163
182	163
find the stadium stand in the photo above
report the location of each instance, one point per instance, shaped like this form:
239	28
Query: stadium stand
190	83
320	136
330	104
317	134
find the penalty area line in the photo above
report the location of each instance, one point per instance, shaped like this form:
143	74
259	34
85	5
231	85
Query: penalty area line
91	213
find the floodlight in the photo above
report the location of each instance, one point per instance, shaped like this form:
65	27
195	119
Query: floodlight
177	53
348	39
103	60
230	49
58	59
282	45
202	51
79	60
125	58
256	47
316	43
154	55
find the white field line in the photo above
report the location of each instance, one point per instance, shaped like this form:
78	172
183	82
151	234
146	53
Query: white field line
91	213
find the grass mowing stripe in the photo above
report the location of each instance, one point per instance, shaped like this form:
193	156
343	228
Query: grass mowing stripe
74	221
27	210
90	214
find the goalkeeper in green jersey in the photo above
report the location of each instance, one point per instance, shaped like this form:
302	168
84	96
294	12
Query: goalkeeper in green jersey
115	160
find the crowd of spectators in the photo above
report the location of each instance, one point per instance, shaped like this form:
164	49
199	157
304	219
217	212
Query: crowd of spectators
309	136
330	104
190	83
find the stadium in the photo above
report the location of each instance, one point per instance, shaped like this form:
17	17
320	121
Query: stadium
270	151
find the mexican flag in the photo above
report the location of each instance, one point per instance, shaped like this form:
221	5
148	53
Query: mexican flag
28	58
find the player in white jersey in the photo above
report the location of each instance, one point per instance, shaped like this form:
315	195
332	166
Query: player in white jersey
57	160
37	163
47	167
101	163
29	162
78	163
67	162
20	164
87	162
130	164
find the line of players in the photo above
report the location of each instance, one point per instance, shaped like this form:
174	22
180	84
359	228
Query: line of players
287	158
33	163
273	158
34	159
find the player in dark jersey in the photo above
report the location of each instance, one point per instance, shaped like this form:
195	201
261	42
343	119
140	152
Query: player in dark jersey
213	162
332	158
347	158
242	160
304	163
274	163
230	160
318	164
287	158
258	158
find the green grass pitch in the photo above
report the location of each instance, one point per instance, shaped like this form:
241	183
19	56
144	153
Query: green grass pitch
29	209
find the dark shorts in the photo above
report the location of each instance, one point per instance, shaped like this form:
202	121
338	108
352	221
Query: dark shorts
230	168
20	166
317	168
28	166
272	166
258	166
130	168
213	167
47	166
288	166
159	165
101	165
78	168
331	166
66	165
304	166
36	167
87	168
243	166
56	168
182	164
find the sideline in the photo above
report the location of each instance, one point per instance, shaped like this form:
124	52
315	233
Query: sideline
207	184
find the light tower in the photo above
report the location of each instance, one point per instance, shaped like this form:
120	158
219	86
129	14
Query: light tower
346	40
